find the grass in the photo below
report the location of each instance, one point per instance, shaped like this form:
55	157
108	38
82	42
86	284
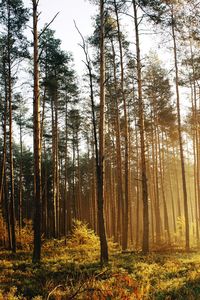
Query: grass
72	271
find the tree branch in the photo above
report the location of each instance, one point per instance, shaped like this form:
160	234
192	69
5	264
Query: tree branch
45	28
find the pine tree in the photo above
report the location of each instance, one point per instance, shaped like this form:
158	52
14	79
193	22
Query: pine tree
13	18
37	142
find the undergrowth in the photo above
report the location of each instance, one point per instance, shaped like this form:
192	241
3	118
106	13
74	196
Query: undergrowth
72	271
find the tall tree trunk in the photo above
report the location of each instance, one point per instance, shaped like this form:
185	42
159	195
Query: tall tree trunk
79	194
3	202
99	151
20	182
12	200
155	147
74	204
145	243
9	94
126	139
57	183
118	151
187	237
171	189
137	241
37	150
195	147
54	169
162	176
7	209
101	162
45	195
176	177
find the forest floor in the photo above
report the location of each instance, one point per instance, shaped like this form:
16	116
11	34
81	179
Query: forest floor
72	271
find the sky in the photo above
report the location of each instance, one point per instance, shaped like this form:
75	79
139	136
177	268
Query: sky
69	10
82	12
79	10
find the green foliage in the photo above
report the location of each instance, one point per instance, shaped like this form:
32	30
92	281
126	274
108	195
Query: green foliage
82	235
3	231
11	295
13	18
85	241
70	271
157	90
154	8
24	236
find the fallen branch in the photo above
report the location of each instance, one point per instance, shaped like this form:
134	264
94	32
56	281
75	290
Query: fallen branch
58	286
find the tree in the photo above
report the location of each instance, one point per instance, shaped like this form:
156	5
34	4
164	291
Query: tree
100	168
37	143
60	92
166	13
126	134
13	18
157	91
173	28
145	244
20	120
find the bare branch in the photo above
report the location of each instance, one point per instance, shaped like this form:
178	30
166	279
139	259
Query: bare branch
84	47
45	28
58	286
83	40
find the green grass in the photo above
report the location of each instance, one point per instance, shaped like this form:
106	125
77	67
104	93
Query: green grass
73	271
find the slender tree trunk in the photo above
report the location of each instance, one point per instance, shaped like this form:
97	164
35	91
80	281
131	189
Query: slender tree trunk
118	152
94	194
45	196
99	151
145	243
7	209
54	169
37	144
196	139
9	94
196	154
4	144
57	183
79	196
12	200
176	177
43	104
171	190
155	147
196	183
74	203
67	200
187	237
20	182
126	134
137	242
101	162
162	176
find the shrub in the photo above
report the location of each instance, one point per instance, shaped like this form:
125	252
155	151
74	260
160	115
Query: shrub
24	237
82	235
3	232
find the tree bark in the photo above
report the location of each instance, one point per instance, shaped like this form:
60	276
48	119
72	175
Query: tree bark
145	243
187	237
125	216
9	94
37	150
118	152
101	162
